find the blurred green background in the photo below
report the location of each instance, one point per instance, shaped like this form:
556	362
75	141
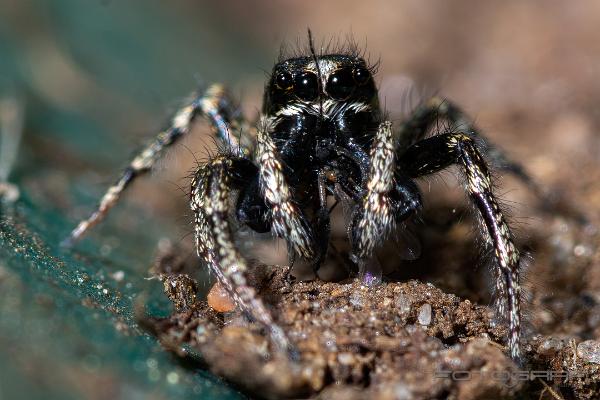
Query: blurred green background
97	78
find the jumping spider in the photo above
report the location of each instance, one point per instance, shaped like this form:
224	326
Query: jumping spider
321	134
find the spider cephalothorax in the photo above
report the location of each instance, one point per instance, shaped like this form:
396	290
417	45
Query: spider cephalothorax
321	116
323	135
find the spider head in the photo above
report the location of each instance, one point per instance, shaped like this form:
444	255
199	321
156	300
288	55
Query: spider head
300	84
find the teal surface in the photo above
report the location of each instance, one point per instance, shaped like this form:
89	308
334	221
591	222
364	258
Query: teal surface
67	330
89	74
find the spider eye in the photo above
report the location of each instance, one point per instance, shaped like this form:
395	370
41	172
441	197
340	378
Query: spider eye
306	86
283	80
340	84
361	75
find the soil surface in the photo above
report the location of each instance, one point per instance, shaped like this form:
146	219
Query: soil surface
408	339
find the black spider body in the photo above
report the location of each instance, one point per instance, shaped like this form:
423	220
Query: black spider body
322	133
326	118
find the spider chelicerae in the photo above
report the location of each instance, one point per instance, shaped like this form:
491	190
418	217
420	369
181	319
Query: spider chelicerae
323	134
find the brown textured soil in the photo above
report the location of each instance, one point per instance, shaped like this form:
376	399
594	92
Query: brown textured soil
407	339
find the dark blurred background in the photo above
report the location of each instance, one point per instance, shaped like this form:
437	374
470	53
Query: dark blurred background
100	77
96	79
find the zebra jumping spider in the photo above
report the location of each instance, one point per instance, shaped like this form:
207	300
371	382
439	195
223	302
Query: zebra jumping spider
323	134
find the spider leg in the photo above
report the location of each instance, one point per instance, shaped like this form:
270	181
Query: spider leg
438	152
323	223
436	109
212	104
288	220
210	202
388	198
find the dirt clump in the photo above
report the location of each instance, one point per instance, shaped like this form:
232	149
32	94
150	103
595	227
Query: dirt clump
395	340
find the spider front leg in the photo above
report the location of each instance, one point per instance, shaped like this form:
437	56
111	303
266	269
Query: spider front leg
287	220
436	153
212	104
389	197
210	202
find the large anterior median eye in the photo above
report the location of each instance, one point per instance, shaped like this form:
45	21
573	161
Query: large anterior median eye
283	80
340	84
306	86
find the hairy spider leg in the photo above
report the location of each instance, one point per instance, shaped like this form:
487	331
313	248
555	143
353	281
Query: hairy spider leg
375	217
288	221
213	104
438	152
388	198
210	203
437	108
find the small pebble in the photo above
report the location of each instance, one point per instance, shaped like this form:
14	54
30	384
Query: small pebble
589	351
403	303
550	346
425	314
219	300
357	299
